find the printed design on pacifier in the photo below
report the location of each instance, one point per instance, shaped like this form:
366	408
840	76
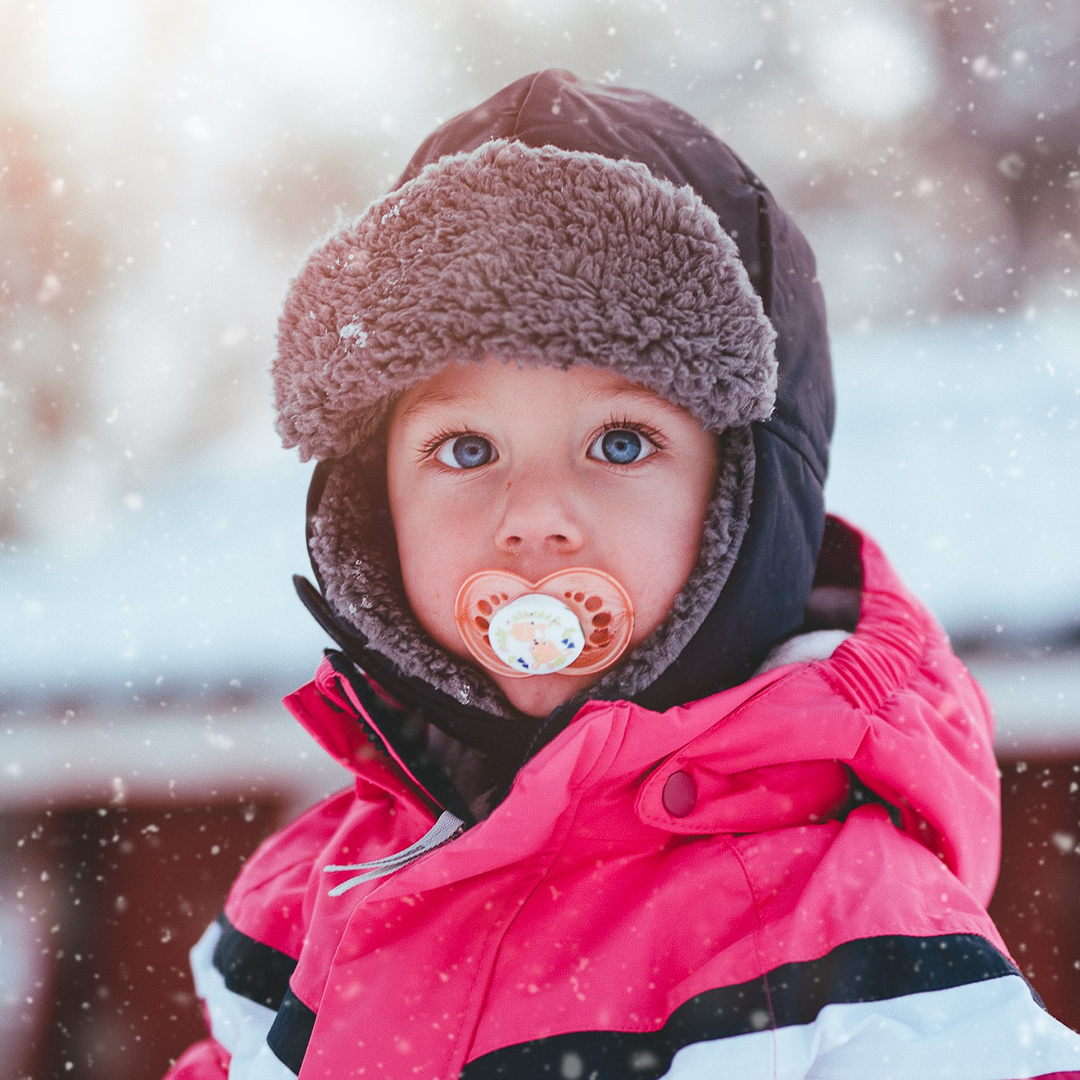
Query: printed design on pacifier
573	622
536	634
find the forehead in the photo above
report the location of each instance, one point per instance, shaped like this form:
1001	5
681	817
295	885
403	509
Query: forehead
493	383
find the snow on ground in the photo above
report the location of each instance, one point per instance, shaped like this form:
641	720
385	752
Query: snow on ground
193	587
958	448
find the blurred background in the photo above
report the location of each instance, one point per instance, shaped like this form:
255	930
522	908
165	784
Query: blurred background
164	167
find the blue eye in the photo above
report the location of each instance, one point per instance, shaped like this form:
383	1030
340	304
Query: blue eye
466	452
622	446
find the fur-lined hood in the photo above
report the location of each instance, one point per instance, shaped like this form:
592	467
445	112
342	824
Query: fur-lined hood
563	222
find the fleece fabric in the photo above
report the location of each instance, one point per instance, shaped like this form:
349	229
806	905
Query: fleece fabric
521	254
562	222
786	879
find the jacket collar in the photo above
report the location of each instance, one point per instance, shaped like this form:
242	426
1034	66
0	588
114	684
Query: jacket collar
709	769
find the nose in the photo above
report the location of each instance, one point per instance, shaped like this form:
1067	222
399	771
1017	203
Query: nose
538	518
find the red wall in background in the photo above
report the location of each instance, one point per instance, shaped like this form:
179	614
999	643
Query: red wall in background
1037	901
128	892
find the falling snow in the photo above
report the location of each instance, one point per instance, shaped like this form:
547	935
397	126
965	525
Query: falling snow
163	170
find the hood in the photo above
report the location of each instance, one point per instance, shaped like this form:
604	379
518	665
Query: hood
759	573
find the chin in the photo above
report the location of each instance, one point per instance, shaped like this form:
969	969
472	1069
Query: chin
539	694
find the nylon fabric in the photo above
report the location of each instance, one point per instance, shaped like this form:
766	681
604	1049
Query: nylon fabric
771	896
239	1024
981	1031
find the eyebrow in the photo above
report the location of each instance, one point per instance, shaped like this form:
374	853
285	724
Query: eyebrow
434	399
635	393
632	392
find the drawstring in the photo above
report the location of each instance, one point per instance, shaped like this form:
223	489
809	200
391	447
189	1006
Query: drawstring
444	829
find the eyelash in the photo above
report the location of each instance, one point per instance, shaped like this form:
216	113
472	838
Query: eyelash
616	423
639	427
431	445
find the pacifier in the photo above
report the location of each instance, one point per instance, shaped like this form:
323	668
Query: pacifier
572	622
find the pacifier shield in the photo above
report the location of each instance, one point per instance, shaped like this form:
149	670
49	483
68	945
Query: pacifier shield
573	622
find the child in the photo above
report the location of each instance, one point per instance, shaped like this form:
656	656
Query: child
659	772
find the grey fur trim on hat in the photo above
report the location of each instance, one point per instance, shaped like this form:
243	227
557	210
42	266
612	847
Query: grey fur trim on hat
515	253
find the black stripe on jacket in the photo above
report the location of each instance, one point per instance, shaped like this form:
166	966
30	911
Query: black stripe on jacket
291	1031
251	969
261	974
866	970
870	969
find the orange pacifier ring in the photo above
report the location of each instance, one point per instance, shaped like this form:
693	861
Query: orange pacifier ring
573	622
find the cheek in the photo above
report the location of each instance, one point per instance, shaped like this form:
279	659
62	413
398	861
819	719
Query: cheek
424	548
416	548
436	552
657	575
686	538
666	547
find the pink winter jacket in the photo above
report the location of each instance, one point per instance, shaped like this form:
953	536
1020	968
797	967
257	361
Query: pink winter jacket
787	879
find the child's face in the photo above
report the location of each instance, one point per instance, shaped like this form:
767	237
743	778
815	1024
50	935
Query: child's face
494	467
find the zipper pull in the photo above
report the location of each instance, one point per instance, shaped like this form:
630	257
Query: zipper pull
446	828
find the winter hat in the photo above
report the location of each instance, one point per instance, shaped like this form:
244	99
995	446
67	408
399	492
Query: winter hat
518	235
527	255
